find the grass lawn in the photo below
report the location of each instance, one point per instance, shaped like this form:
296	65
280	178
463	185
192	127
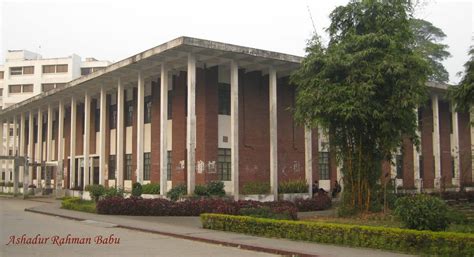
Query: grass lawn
388	220
77	204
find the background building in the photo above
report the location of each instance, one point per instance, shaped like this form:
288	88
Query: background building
26	74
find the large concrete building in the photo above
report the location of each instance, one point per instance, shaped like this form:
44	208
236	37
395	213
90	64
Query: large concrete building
191	111
26	74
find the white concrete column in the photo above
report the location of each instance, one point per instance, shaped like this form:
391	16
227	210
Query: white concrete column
15	137
120	134
191	124
2	147
60	172
416	157
163	130
72	169
87	134
102	154
22	144
308	158
39	146
234	126
49	144
140	126
273	133
7	148
31	144
436	140
455	151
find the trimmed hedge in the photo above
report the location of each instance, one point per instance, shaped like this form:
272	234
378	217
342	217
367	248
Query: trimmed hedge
393	239
162	207
77	204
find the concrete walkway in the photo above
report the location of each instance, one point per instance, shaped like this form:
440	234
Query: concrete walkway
190	228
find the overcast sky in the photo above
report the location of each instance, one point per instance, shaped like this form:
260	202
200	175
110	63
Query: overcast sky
113	30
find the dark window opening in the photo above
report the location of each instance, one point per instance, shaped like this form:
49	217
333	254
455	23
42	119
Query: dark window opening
324	165
146	166
224	99
224	164
112	166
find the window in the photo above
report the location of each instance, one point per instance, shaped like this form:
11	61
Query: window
29	70
129	114
224	99
22	70
10	132
27	88
1	74
49	68
170	104
452	166
128	167
147	114
89	70
146	166
112	164
14	88
113	117
450	122
399	165
224	164
169	165
1	91
60	68
49	86
323	165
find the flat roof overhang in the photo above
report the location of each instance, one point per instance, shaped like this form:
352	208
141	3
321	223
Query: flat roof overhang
174	54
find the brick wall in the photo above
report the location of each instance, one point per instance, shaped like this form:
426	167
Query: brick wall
465	147
427	145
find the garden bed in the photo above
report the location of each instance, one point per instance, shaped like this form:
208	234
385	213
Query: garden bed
77	204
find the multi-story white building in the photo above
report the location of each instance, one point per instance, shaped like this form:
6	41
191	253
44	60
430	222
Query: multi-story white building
26	74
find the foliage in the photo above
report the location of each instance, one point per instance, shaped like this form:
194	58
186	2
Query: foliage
256	188
9	184
295	186
2	183
363	89
215	188
266	212
192	207
422	212
427	38
201	190
96	191
137	189
317	203
77	204
113	192
394	239
151	188
176	192
463	94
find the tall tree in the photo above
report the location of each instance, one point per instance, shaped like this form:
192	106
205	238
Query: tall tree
427	42
363	88
463	94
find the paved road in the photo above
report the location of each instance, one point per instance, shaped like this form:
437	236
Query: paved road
14	221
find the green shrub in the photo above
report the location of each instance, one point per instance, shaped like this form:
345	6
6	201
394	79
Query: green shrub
291	187
256	188
77	204
152	189
393	239
2	183
422	212
176	192
136	189
265	212
215	188
96	191
9	184
113	192
201	190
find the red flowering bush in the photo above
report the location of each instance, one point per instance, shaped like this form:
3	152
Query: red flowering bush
136	206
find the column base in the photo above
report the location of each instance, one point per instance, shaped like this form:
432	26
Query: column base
456	182
437	183
418	184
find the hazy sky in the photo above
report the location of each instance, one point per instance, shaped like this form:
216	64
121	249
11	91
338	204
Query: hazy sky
114	30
